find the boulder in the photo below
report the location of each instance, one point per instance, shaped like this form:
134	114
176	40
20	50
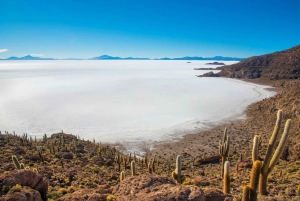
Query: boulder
25	194
150	187
24	177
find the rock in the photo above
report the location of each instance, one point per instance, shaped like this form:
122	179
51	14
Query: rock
150	187
201	181
294	152
25	194
97	197
210	159
65	155
245	164
71	198
212	194
209	74
27	178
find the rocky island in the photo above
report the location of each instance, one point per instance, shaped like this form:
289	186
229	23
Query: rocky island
215	63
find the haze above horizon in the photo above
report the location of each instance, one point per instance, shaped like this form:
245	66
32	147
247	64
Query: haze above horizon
154	29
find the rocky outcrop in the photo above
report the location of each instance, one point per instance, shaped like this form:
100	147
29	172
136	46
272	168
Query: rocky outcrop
84	195
278	65
153	187
28	178
23	194
209	74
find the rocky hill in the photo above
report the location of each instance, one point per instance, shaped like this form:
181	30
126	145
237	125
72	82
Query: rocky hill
278	65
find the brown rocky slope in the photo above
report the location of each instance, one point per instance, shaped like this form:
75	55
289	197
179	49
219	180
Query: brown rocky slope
278	65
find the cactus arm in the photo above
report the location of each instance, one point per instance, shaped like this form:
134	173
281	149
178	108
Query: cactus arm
255	175
255	148
280	146
265	167
225	135
276	128
246	193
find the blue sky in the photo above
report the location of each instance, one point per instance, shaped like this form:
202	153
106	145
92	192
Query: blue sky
147	28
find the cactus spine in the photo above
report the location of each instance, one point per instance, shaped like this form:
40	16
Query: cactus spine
16	162
226	178
132	165
270	158
224	150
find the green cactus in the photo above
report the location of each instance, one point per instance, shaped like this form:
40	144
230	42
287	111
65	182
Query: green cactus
226	178
270	158
224	150
16	162
22	166
132	167
176	175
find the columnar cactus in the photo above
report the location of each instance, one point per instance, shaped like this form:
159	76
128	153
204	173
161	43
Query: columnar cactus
224	150
246	193
132	167
176	175
178	169
122	176
270	158
16	162
226	178
150	168
254	178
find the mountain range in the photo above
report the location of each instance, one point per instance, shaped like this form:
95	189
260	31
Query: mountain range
107	57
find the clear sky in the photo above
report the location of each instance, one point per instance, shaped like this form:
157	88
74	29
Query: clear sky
147	28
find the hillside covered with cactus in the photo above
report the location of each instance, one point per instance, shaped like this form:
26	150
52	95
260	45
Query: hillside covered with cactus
257	158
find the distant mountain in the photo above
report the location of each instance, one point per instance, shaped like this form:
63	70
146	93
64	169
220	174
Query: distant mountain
216	58
278	65
107	57
28	57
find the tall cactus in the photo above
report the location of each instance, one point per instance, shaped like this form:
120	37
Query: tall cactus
16	162
254	178
178	169
270	158
176	175
224	150
226	178
132	167
122	176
